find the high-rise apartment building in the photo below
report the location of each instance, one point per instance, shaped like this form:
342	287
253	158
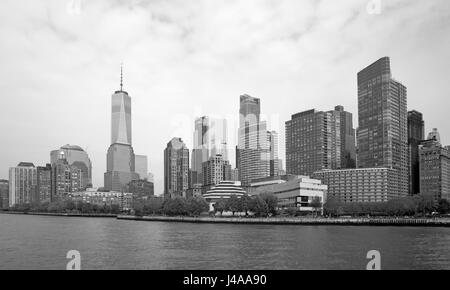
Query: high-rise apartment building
210	139
216	170
317	140
383	131
120	166
4	194
44	183
176	168
434	169
75	156
416	134
22	184
253	156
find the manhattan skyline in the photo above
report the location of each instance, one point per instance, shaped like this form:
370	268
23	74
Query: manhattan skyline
61	65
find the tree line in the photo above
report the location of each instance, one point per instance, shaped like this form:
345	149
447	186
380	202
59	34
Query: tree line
417	205
67	205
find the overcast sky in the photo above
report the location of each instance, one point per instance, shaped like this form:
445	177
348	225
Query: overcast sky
60	63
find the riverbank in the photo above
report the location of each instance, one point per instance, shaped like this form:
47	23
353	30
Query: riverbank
88	215
410	222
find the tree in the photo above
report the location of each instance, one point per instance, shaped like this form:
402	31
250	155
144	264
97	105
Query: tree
259	207
153	205
233	204
175	207
246	203
316	204
220	206
271	201
197	205
443	206
333	207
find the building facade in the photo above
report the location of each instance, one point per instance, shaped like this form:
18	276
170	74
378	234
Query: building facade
293	191
252	154
141	188
65	179
141	166
75	156
44	183
360	185
120	165
383	131
276	164
317	140
4	194
124	200
434	170
22	184
176	168
416	134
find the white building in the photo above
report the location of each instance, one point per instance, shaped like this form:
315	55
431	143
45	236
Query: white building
93	196
292	191
223	191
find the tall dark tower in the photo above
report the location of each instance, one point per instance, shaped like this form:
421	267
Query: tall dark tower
383	131
120	167
416	134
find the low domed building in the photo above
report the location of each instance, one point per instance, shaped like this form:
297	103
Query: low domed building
224	190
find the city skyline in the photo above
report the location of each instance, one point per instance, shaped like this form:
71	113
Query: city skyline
53	88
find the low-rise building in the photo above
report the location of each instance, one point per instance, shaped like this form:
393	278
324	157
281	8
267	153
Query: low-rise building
360	185
293	191
99	198
223	191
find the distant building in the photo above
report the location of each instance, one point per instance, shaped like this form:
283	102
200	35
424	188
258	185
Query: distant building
195	191
383	129
120	165
234	174
253	156
44	183
75	156
360	185
4	194
22	184
434	135
292	191
65	179
434	164
141	166
99	198
416	134
275	162
210	139
176	168
141	188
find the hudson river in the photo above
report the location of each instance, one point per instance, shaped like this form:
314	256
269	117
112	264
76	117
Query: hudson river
41	242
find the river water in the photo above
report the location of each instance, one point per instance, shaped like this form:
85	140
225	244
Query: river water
41	242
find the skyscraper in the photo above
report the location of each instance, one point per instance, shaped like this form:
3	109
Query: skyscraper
141	166
22	184
416	134
316	140
176	168
253	157
275	162
44	183
120	164
210	139
4	194
348	137
383	131
75	156
66	178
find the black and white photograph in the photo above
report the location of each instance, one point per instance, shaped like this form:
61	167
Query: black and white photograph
239	137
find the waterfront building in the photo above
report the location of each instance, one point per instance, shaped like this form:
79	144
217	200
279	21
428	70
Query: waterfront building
120	166
141	187
223	191
292	191
383	130
124	200
361	184
317	140
176	168
253	156
22	184
434	169
210	139
65	178
141	166
4	194
44	183
416	134
77	157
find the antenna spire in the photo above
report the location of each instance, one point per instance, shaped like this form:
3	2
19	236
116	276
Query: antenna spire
121	77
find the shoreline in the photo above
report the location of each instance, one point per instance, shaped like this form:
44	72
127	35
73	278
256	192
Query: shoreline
400	222
86	215
405	222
